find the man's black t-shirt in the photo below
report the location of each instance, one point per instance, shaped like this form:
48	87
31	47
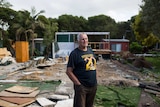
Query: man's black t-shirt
84	66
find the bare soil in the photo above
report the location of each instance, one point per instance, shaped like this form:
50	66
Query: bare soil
109	72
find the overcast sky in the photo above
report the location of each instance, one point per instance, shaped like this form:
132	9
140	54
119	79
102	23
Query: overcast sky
119	10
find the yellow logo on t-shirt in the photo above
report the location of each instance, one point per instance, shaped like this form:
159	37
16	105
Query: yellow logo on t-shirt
91	62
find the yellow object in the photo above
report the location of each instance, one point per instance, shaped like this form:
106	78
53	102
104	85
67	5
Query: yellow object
22	51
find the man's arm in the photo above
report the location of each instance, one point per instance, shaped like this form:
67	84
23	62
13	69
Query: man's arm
70	74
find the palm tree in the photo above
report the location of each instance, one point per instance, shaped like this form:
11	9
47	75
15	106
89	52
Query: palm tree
26	25
49	35
22	26
35	23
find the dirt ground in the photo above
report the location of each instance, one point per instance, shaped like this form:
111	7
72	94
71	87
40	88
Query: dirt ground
115	73
109	72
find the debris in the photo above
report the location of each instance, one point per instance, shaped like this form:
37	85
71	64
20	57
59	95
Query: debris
45	102
4	52
17	100
58	97
8	81
65	89
21	89
153	89
140	62
65	103
12	94
4	103
5	57
2	77
110	73
19	95
42	62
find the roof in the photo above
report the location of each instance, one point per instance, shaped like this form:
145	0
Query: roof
116	40
88	33
38	39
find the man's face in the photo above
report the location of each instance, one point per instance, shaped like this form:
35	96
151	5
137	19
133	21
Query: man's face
83	42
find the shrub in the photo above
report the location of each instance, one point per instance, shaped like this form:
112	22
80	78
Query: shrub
135	47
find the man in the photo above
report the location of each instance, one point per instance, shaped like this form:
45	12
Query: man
81	69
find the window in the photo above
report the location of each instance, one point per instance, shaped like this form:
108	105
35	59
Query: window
72	37
40	47
116	47
65	38
62	38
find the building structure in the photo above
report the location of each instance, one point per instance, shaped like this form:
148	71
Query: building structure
118	45
100	42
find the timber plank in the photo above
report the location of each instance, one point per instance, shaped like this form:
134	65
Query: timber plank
17	100
9	94
152	91
21	89
7	104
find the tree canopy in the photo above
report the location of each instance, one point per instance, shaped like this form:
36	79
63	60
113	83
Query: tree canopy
151	16
147	25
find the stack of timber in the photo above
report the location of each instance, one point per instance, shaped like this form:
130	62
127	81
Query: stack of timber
151	88
18	96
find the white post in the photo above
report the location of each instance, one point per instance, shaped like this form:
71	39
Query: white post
53	50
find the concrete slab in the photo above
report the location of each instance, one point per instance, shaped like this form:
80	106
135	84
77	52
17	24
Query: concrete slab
58	97
45	102
65	103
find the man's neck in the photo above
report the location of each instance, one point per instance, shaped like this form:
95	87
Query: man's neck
82	48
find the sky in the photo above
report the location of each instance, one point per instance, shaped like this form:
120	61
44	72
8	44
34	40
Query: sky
119	10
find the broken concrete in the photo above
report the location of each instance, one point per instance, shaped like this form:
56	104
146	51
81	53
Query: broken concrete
109	73
65	103
58	97
44	102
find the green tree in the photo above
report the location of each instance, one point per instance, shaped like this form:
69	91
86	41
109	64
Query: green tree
22	25
48	33
7	18
150	41
146	38
26	25
71	23
102	23
151	16
138	28
124	30
34	23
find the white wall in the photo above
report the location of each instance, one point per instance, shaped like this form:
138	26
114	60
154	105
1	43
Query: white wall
65	48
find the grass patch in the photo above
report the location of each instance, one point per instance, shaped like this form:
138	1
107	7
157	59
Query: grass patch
42	85
155	61
113	96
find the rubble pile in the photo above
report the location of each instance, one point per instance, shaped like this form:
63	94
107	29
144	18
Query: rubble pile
6	57
140	62
39	69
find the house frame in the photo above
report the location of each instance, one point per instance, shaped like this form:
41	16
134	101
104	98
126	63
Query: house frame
100	43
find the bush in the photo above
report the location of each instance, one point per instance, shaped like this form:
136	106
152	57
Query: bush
135	47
